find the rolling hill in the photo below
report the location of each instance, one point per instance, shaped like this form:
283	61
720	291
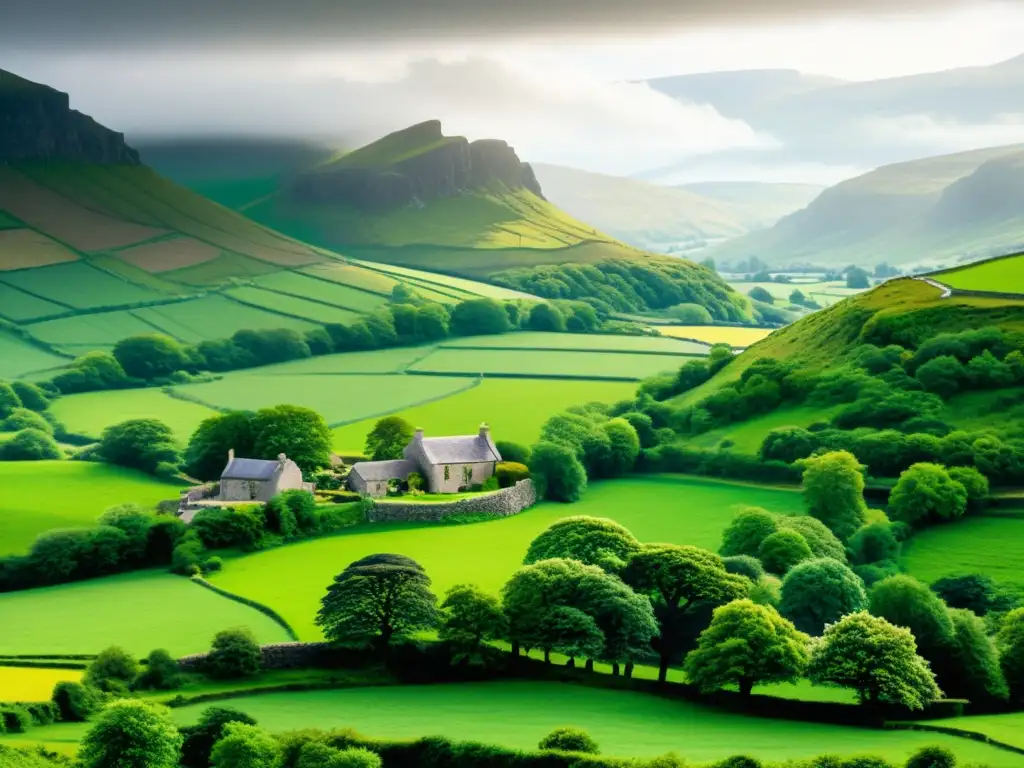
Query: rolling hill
935	211
763	203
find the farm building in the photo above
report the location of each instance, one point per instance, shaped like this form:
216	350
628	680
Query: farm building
446	463
259	480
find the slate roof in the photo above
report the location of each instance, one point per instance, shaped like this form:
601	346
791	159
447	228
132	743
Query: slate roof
250	469
463	449
373	471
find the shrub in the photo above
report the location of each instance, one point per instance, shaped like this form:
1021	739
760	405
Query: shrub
113	669
31	445
782	550
747	531
211	565
559	474
757	293
139	444
513	452
74	701
14	719
150	356
834	492
200	738
31	396
479	317
819	538
973	592
220	528
188	554
739	761
509	473
927	493
932	757
23	418
874	543
819	592
161	672
569	740
245	746
975	483
235	653
131	734
690	314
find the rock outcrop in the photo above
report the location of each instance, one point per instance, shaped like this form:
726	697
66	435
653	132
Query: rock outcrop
413	167
37	123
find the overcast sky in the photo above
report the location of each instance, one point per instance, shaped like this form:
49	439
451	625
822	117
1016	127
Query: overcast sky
544	74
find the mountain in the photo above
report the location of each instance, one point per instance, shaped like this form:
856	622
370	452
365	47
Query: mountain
934	211
420	199
816	123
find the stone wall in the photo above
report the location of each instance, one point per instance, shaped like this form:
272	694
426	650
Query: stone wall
503	503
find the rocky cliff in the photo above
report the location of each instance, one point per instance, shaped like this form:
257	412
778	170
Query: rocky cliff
413	167
37	123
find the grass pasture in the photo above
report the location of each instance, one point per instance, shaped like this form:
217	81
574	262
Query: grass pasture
285	304
515	409
999	275
32	683
91	412
716	334
667	509
968	546
213	317
16	305
1008	728
582	342
83	333
40	496
26	248
19	358
624	723
447	282
138	611
339	399
166	255
527	363
79	285
336	294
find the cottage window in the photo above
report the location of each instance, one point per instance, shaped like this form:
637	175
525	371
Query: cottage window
447	472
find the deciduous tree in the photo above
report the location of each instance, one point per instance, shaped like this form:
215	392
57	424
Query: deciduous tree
926	493
834	492
207	452
782	550
150	356
746	531
1010	642
245	746
469	616
590	540
300	433
131	734
677	579
388	438
746	645
557	472
876	659
377	599
818	592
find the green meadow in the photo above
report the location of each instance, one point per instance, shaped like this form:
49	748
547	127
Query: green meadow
563	363
39	496
998	275
139	611
669	509
91	412
624	723
587	342
1008	728
515	409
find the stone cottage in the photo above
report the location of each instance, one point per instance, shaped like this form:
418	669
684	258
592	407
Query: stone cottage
446	464
259	480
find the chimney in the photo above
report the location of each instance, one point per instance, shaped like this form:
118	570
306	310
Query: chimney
282	458
418	437
231	455
485	431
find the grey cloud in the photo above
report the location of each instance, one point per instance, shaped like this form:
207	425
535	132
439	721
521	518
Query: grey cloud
129	24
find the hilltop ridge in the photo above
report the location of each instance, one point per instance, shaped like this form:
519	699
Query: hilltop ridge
37	123
414	166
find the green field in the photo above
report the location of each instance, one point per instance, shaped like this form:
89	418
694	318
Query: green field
587	342
78	285
16	305
1008	729
19	358
298	284
665	509
516	409
621	366
90	413
214	317
1000	275
138	611
40	496
32	683
715	334
393	360
624	723
746	436
339	399
292	305
82	333
446	282
970	546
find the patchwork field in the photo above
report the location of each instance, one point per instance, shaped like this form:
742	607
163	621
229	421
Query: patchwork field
19	358
29	506
88	414
26	248
666	509
339	399
622	366
214	317
999	275
516	409
968	546
297	284
17	305
583	342
32	684
292	305
101	330
138	611
165	255
447	282
716	334
624	723
79	285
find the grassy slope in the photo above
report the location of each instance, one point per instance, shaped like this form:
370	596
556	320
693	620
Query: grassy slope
139	611
44	495
90	413
1000	275
625	723
676	510
892	214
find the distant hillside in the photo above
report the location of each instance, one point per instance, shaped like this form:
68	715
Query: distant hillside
935	211
232	171
641	214
762	203
420	199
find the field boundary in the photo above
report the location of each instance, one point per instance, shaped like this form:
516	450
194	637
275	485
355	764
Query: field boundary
962	733
599	351
476	381
266	610
544	376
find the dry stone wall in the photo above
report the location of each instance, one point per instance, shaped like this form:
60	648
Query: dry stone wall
503	503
